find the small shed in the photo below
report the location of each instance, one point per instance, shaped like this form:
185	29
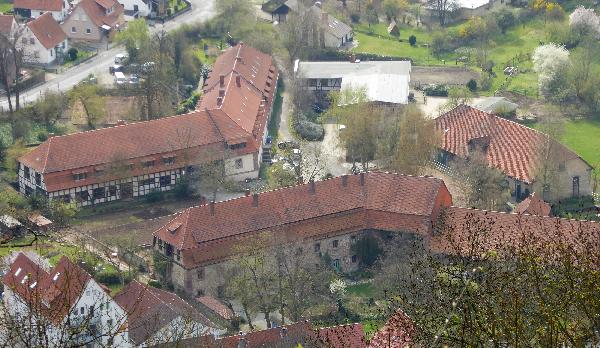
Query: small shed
393	28
40	222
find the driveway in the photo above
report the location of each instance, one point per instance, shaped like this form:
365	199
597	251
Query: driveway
202	10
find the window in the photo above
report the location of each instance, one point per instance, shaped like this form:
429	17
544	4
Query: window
237	146
91	310
99	192
26	172
178	254
99	172
88	31
146	182
51	53
82	310
336	264
73	29
165	180
82	196
354	258
200	292
353	239
239	164
109	323
79	176
324	82
148	164
38	179
317	247
24	41
160	244
112	190
335	243
312	83
561	167
575	186
36	54
31	41
200	273
169	160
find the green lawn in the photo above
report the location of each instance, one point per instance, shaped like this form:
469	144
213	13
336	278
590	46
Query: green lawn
583	137
364	290
5	6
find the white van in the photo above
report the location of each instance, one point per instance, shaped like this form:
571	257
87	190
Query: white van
120	78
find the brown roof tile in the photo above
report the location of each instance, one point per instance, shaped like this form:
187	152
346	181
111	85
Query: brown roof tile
333	205
341	336
217	306
533	205
44	5
47	30
96	10
285	336
6	24
149	309
398	332
512	147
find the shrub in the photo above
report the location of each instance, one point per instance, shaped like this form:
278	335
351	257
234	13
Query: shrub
182	188
155	196
485	83
155	283
436	91
412	40
308	130
108	277
472	85
72	53
355	17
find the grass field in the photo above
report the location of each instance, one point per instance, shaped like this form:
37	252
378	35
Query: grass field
5	6
583	137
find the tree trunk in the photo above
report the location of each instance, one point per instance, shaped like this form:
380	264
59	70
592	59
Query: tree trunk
245	308
268	319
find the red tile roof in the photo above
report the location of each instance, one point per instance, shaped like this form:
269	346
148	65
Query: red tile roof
398	332
512	147
241	118
217	306
472	232
285	336
52	293
47	31
6	24
342	336
96	10
44	5
533	205
150	309
309	210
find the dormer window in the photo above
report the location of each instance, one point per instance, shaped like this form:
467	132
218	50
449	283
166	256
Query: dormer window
148	163
169	160
79	176
237	146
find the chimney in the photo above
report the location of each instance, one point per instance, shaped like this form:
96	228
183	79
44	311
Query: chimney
221	92
238	59
238	80
247	192
255	200
222	80
211	205
311	186
121	122
219	101
345	180
362	179
283	332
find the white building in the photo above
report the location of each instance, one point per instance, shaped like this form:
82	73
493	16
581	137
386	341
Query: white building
383	81
60	306
43	40
157	316
136	8
35	8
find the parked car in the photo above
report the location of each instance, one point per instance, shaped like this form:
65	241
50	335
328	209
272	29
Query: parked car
134	79
288	144
146	67
120	58
120	78
115	68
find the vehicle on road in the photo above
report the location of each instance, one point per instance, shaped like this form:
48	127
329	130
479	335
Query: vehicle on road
120	78
115	68
134	79
120	58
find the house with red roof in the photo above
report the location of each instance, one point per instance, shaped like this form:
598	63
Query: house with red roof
8	25
533	205
325	217
47	303
156	316
43	40
132	160
515	150
35	8
93	20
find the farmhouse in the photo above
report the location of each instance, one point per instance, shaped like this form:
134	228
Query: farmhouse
35	8
385	82
327	217
132	160
92	20
43	40
54	300
513	149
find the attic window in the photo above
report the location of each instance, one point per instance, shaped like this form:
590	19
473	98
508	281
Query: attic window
79	176
18	271
24	279
55	278
33	285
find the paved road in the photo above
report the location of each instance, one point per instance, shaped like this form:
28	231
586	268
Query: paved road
201	11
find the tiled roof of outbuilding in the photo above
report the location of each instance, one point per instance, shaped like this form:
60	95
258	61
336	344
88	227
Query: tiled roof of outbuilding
513	148
533	205
45	5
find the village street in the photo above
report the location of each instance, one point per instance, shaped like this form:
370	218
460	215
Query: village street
201	11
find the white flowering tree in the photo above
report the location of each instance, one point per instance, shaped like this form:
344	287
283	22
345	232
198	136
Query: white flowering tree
585	21
550	61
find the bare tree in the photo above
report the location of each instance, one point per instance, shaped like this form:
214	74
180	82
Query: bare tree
443	9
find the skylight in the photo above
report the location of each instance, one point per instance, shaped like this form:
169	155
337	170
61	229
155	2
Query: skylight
33	285
18	271
55	276
24	279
